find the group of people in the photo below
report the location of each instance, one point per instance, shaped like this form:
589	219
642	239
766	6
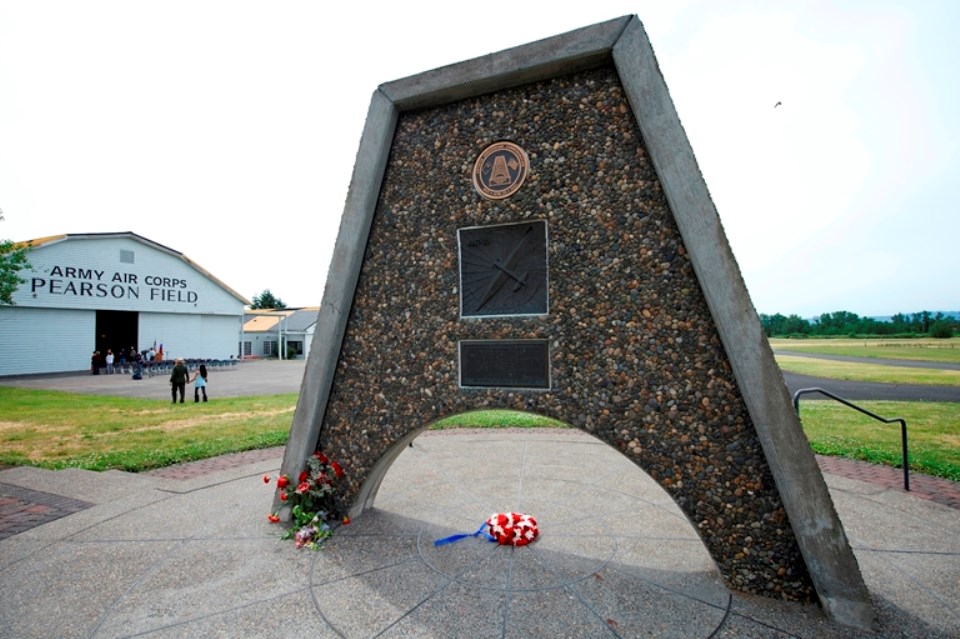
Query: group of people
180	376
111	363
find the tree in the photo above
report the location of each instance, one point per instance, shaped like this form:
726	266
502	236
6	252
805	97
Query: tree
13	259
941	329
780	325
267	300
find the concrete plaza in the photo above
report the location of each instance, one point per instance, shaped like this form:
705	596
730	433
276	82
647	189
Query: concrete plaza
187	551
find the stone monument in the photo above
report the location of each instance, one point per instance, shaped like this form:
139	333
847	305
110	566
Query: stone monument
530	230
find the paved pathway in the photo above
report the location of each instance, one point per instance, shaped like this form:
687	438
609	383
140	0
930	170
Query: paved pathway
854	390
936	489
22	509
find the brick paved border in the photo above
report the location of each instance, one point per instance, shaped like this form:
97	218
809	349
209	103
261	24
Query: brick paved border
22	509
936	489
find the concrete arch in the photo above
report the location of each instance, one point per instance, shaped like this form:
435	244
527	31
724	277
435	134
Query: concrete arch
654	346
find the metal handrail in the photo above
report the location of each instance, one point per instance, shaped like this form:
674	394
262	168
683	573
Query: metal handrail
903	424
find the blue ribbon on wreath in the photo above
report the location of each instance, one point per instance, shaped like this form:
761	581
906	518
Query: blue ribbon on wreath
481	531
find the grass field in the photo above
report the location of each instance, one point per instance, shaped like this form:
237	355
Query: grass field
868	372
945	351
933	430
497	419
59	430
53	429
941	351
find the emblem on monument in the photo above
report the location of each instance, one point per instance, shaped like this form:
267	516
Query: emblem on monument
500	170
503	269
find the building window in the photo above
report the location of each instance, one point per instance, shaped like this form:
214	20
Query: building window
270	347
247	349
126	257
295	347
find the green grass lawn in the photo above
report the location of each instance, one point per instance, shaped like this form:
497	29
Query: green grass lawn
933	433
497	419
945	351
53	429
868	372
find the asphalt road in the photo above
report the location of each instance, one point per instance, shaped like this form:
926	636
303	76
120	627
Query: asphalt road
872	390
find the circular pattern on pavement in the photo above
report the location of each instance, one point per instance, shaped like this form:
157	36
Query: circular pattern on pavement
615	556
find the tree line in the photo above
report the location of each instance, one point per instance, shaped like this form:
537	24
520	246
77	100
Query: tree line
850	324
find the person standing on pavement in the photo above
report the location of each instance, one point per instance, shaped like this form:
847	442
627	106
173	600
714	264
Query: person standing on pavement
110	361
178	379
200	383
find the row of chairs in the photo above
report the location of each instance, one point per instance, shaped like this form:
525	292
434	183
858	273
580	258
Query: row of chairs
165	367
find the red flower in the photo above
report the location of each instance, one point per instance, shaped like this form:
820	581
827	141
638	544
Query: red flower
302	488
283	481
322	479
337	470
346	520
303	477
283	496
273	518
266	479
323	458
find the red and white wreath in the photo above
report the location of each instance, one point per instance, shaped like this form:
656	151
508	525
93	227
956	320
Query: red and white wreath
513	529
507	529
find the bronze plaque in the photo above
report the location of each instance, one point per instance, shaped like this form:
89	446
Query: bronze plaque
505	363
503	269
500	170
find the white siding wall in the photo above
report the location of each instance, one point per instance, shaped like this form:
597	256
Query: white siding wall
35	340
221	336
191	336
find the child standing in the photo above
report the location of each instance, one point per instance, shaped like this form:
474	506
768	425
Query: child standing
200	383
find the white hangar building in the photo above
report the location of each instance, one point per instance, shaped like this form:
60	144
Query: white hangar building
97	291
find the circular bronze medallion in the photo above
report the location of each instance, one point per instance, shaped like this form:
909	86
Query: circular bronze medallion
500	170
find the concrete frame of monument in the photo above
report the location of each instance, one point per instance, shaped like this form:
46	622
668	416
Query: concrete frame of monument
822	542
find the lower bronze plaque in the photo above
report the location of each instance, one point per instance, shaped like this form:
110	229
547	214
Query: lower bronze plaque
505	363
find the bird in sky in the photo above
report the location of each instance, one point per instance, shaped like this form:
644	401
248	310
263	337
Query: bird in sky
777	104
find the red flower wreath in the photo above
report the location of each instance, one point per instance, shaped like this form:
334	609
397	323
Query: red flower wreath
507	529
513	529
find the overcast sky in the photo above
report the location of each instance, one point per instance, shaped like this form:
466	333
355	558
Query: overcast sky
227	130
